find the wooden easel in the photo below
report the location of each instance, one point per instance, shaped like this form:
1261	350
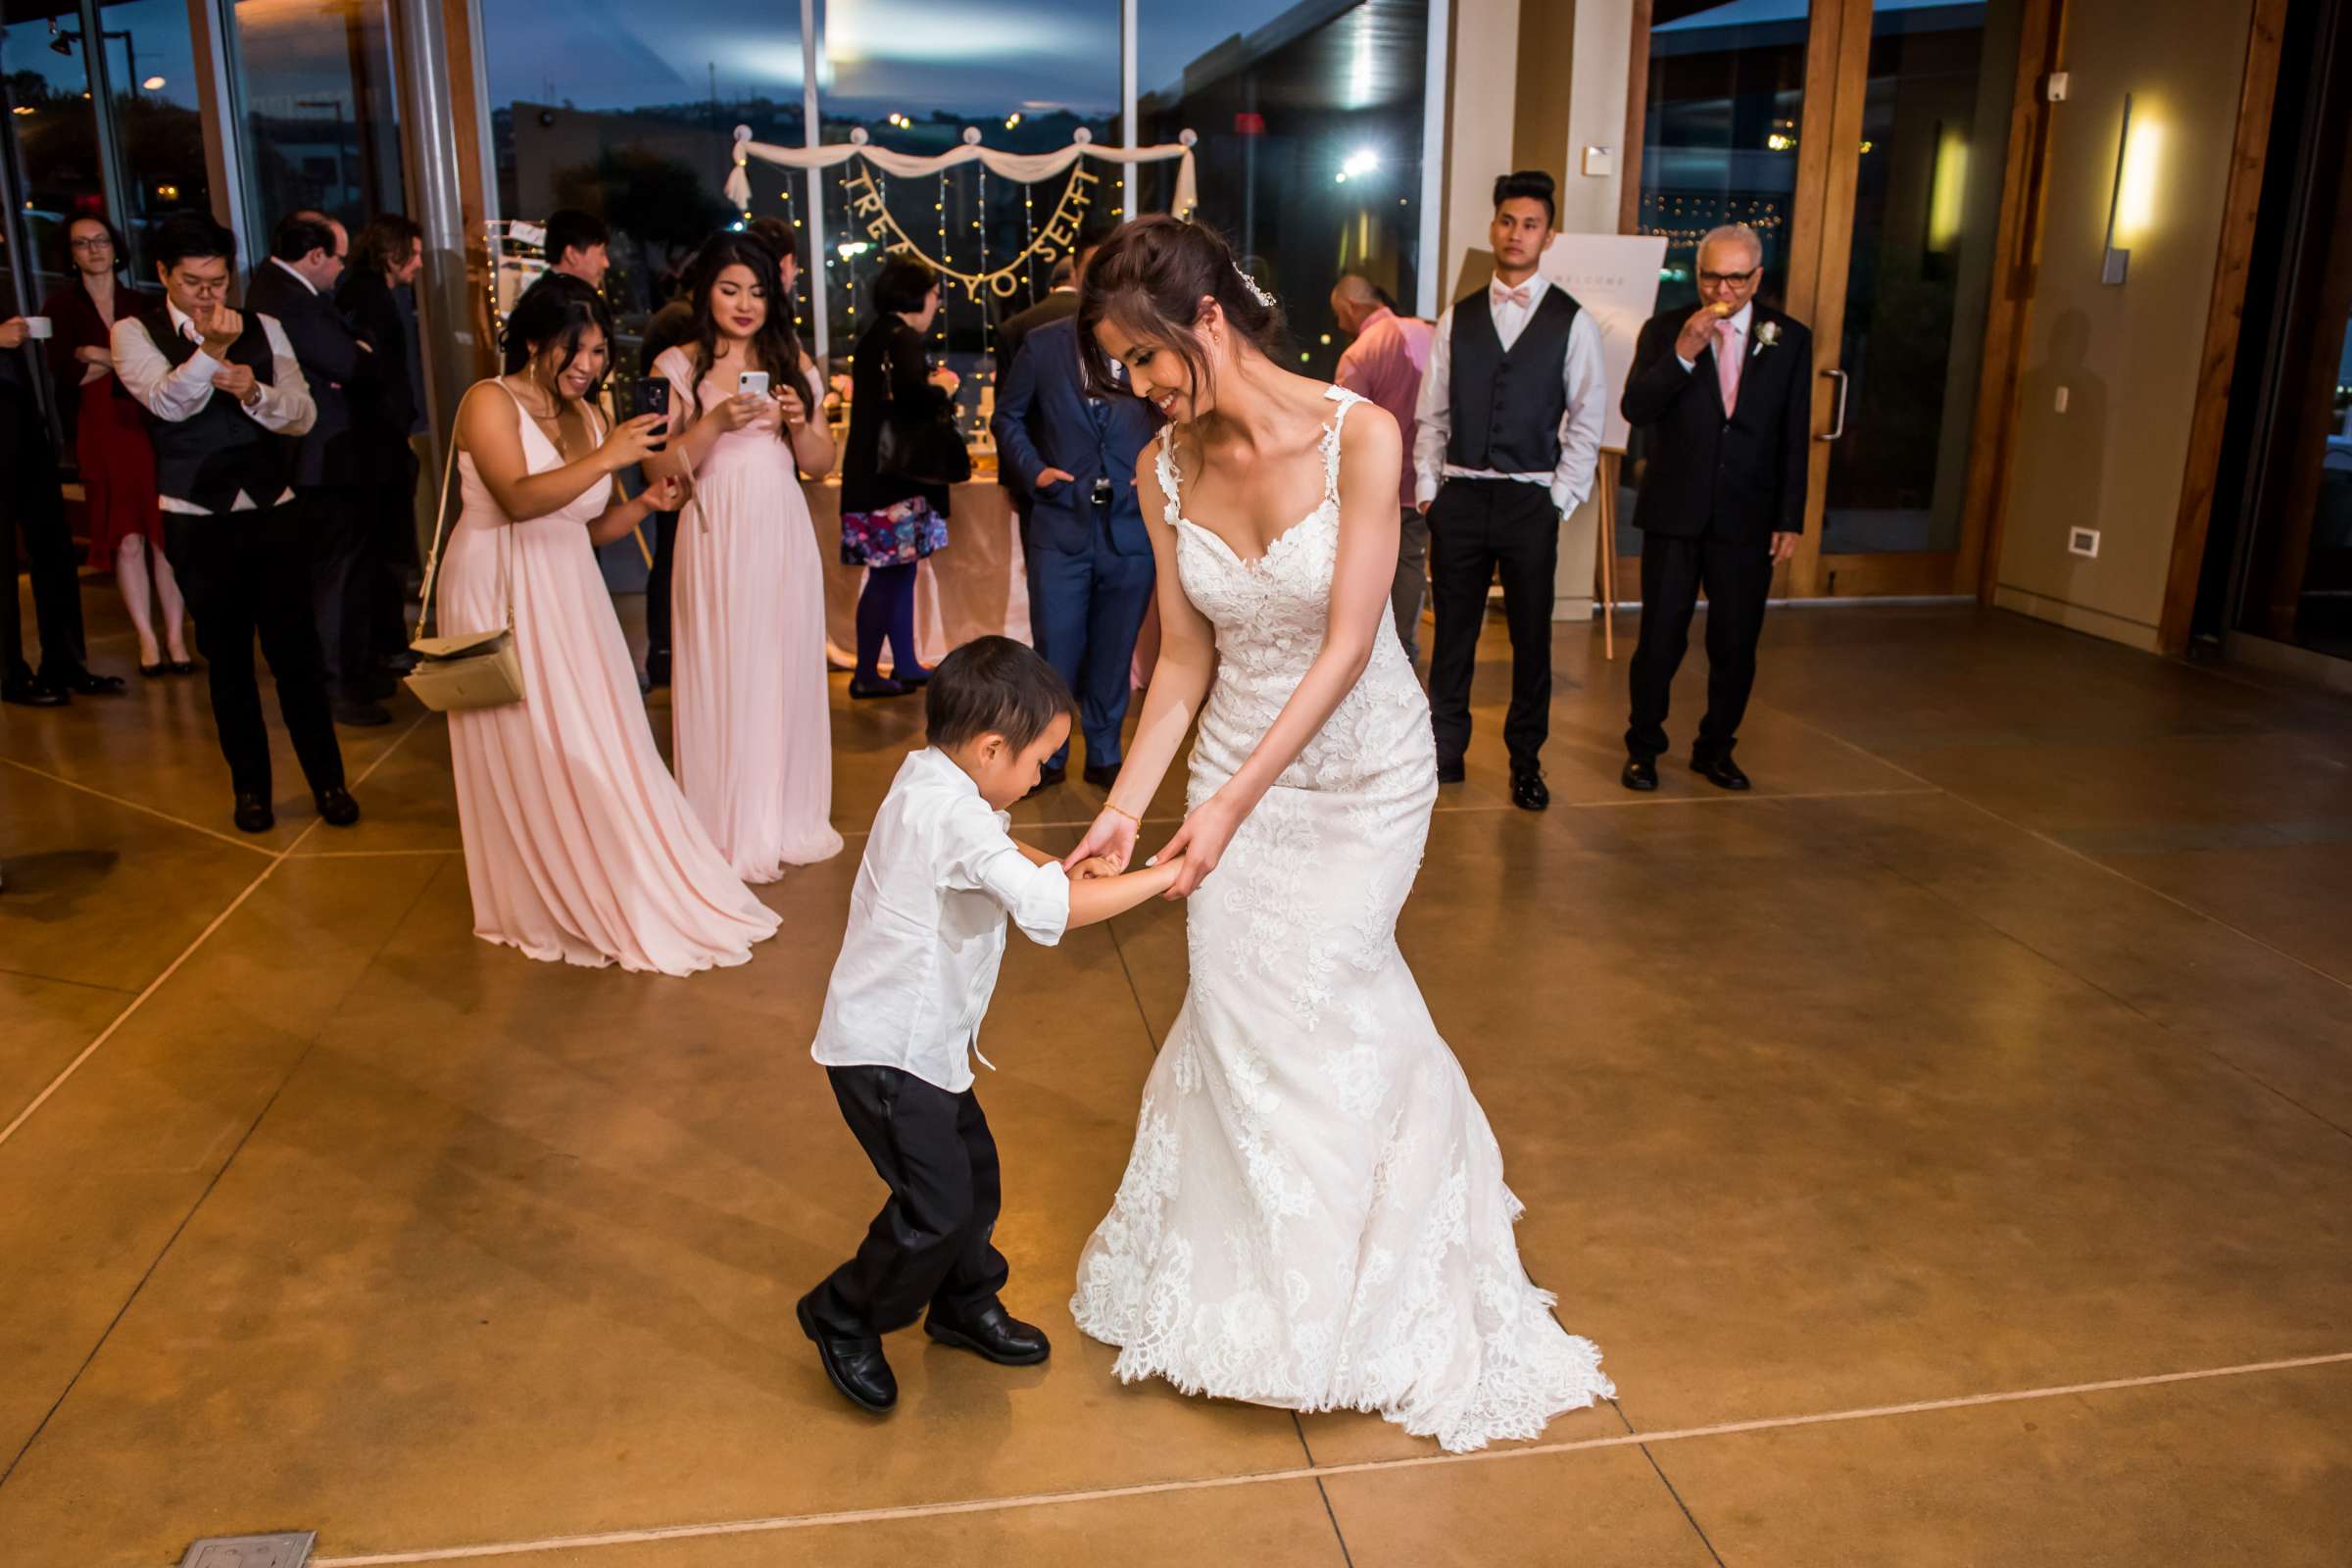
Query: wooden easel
1604	542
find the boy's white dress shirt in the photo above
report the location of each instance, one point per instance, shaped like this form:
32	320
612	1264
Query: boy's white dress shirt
926	934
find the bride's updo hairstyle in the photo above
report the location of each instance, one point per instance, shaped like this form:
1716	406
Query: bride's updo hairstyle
1149	279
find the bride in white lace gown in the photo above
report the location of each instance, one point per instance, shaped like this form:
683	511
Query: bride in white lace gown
1314	1213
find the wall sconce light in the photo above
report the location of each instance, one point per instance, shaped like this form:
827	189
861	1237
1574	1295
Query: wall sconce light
2131	207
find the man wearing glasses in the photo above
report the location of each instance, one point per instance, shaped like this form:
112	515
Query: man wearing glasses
226	393
1722	397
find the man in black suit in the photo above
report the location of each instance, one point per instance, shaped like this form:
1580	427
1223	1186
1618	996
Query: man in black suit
295	288
32	505
226	392
1723	396
386	409
1060	304
1090	562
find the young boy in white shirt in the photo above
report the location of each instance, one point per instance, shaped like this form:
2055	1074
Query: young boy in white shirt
926	935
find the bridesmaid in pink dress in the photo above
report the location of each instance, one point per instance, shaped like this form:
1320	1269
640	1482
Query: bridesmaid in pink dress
579	845
753	738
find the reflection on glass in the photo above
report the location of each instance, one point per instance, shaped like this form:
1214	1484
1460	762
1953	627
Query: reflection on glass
159	129
52	132
1309	124
1927	200
1726	101
317	106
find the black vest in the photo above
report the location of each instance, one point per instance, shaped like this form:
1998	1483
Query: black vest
218	451
1507	407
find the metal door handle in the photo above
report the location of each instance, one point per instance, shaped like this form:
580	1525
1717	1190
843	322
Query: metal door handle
1836	427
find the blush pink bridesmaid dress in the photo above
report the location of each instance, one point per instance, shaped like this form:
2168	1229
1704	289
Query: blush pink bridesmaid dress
753	735
579	845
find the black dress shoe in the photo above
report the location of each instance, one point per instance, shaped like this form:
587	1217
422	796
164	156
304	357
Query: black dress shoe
856	1367
1450	772
253	814
1528	792
1047	778
361	715
85	683
1104	776
25	691
994	1333
336	808
867	690
1719	771
910	678
1641	773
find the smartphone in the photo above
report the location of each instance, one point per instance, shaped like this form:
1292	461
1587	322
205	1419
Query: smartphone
751	384
652	397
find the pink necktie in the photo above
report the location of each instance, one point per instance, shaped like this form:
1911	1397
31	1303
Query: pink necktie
1511	296
1727	364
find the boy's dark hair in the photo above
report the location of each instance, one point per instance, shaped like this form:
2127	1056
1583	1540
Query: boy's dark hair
1531	185
191	236
570	229
993	686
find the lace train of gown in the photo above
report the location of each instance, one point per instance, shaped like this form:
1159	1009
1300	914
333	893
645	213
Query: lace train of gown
1314	1214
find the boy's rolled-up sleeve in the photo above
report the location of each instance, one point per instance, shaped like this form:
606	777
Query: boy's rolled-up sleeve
983	859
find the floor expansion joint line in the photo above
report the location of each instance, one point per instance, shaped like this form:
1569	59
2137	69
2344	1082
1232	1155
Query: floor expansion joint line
929	1510
278	857
1667	1482
245	844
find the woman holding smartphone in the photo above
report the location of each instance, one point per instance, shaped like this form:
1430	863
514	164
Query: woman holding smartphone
579	845
753	736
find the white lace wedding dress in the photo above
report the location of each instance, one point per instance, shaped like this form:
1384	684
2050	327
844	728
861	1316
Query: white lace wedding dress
1314	1215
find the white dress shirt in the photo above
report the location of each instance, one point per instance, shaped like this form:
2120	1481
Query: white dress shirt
282	404
1739	319
926	933
1585	378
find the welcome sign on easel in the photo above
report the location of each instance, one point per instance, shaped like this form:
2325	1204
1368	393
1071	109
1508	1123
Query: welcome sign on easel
1615	279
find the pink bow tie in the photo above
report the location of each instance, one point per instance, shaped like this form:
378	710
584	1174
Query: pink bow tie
1511	296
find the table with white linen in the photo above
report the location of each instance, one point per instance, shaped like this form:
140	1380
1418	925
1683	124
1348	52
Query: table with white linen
977	586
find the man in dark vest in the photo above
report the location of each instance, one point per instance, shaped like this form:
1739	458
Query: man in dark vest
1723	397
1510	422
224	393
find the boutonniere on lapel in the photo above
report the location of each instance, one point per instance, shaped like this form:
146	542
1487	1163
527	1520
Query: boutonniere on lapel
1768	334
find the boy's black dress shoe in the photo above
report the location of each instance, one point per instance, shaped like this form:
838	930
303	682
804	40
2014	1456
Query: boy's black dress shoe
336	808
253	813
994	1333
1719	771
1528	792
1641	773
856	1367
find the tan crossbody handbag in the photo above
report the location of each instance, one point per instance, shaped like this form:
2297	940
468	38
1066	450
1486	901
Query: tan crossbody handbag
472	669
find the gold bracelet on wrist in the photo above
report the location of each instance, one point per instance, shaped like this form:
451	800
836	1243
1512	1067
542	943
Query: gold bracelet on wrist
1129	816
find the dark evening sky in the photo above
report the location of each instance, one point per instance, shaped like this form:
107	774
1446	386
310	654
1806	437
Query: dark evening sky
982	57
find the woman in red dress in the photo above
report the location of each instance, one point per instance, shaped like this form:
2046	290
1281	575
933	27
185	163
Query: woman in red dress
111	446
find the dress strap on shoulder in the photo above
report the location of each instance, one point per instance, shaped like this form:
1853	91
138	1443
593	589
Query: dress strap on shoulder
1331	440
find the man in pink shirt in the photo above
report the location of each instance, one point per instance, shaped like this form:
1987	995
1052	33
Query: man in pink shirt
1384	365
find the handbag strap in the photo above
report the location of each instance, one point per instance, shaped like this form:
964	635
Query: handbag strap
432	559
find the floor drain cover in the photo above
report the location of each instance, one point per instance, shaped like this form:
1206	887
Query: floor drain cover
290	1549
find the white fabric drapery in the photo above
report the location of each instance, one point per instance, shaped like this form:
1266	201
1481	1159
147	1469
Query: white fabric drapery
1027	168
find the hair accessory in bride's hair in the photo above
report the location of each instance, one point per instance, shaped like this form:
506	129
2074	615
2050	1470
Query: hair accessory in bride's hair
1258	290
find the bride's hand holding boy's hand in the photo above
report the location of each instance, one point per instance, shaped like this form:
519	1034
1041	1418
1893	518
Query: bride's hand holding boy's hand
1092	867
1200	842
1111	838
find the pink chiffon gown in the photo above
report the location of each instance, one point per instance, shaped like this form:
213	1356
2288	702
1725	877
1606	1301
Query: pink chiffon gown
579	845
752	724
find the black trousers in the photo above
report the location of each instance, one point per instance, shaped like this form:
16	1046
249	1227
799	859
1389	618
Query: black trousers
657	587
32	509
246	575
1476	528
1738	579
344	523
392	563
929	1247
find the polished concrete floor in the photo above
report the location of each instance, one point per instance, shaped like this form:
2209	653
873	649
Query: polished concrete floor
1951	1146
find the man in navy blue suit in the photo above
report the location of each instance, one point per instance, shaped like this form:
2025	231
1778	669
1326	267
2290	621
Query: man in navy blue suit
1090	558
